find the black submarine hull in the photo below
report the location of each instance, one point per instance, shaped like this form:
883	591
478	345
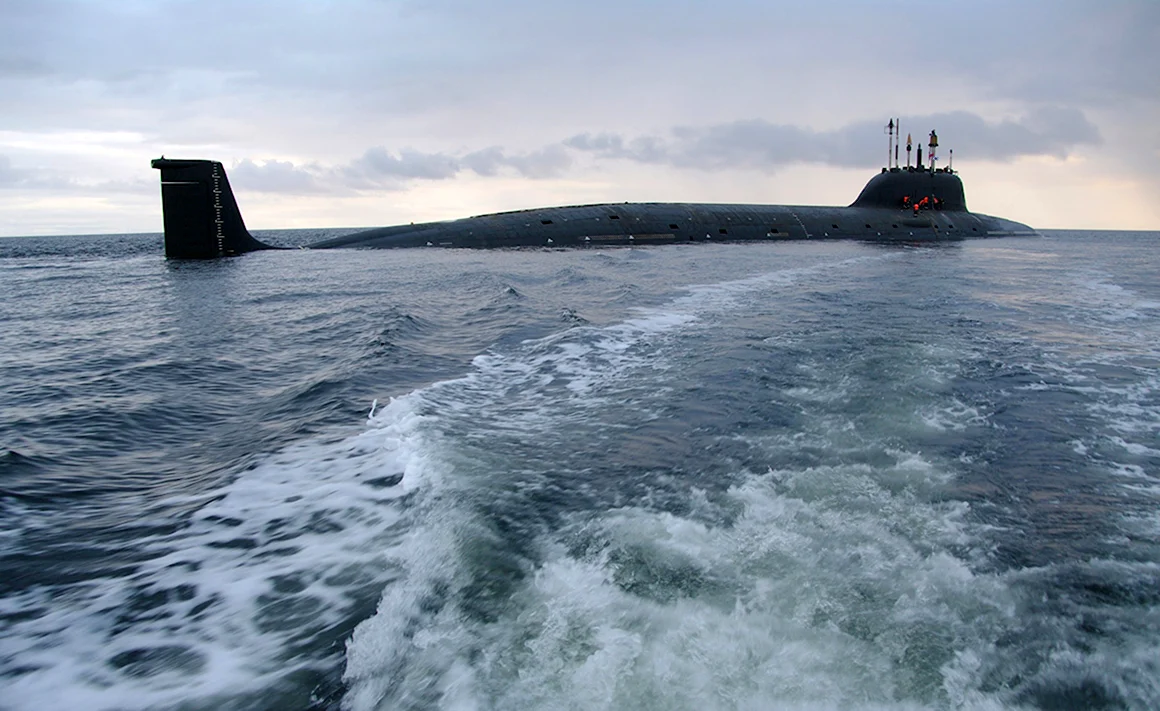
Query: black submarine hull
202	220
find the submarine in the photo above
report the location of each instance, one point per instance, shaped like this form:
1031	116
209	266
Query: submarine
919	203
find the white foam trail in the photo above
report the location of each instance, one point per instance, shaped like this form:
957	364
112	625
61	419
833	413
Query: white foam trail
821	584
831	586
282	557
273	561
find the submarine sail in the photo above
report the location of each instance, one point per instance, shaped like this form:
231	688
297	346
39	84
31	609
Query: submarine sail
201	217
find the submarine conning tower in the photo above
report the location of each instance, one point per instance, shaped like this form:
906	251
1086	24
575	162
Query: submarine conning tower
202	219
918	187
901	187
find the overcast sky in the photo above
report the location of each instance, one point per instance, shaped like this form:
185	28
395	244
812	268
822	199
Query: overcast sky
374	112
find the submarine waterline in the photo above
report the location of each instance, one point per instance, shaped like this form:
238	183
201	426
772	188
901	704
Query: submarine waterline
911	204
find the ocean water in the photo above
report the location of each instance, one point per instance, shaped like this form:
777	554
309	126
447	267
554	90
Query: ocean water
792	475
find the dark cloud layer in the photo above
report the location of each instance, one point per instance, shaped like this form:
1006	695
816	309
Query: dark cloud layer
548	162
739	145
276	176
67	60
378	163
381	169
761	145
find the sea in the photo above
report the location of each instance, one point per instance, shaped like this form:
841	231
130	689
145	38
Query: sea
785	475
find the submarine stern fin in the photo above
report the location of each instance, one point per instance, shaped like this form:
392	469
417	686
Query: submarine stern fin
202	219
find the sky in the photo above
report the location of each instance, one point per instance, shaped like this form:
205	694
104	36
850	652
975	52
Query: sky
350	113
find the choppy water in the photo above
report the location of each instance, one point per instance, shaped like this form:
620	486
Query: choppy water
748	476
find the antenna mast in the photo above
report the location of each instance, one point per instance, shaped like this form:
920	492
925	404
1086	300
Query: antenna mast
889	141
897	140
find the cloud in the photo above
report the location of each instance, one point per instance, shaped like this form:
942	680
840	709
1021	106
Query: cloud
752	144
548	162
8	175
1045	131
291	76
275	176
378	167
379	162
16	178
757	144
408	58
486	162
1056	51
381	169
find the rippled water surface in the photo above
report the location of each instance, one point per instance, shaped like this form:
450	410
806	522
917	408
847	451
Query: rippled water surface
745	476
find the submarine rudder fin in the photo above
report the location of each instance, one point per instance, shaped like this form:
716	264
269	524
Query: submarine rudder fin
202	219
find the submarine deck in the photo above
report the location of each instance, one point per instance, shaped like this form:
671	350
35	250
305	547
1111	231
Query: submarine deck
652	223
